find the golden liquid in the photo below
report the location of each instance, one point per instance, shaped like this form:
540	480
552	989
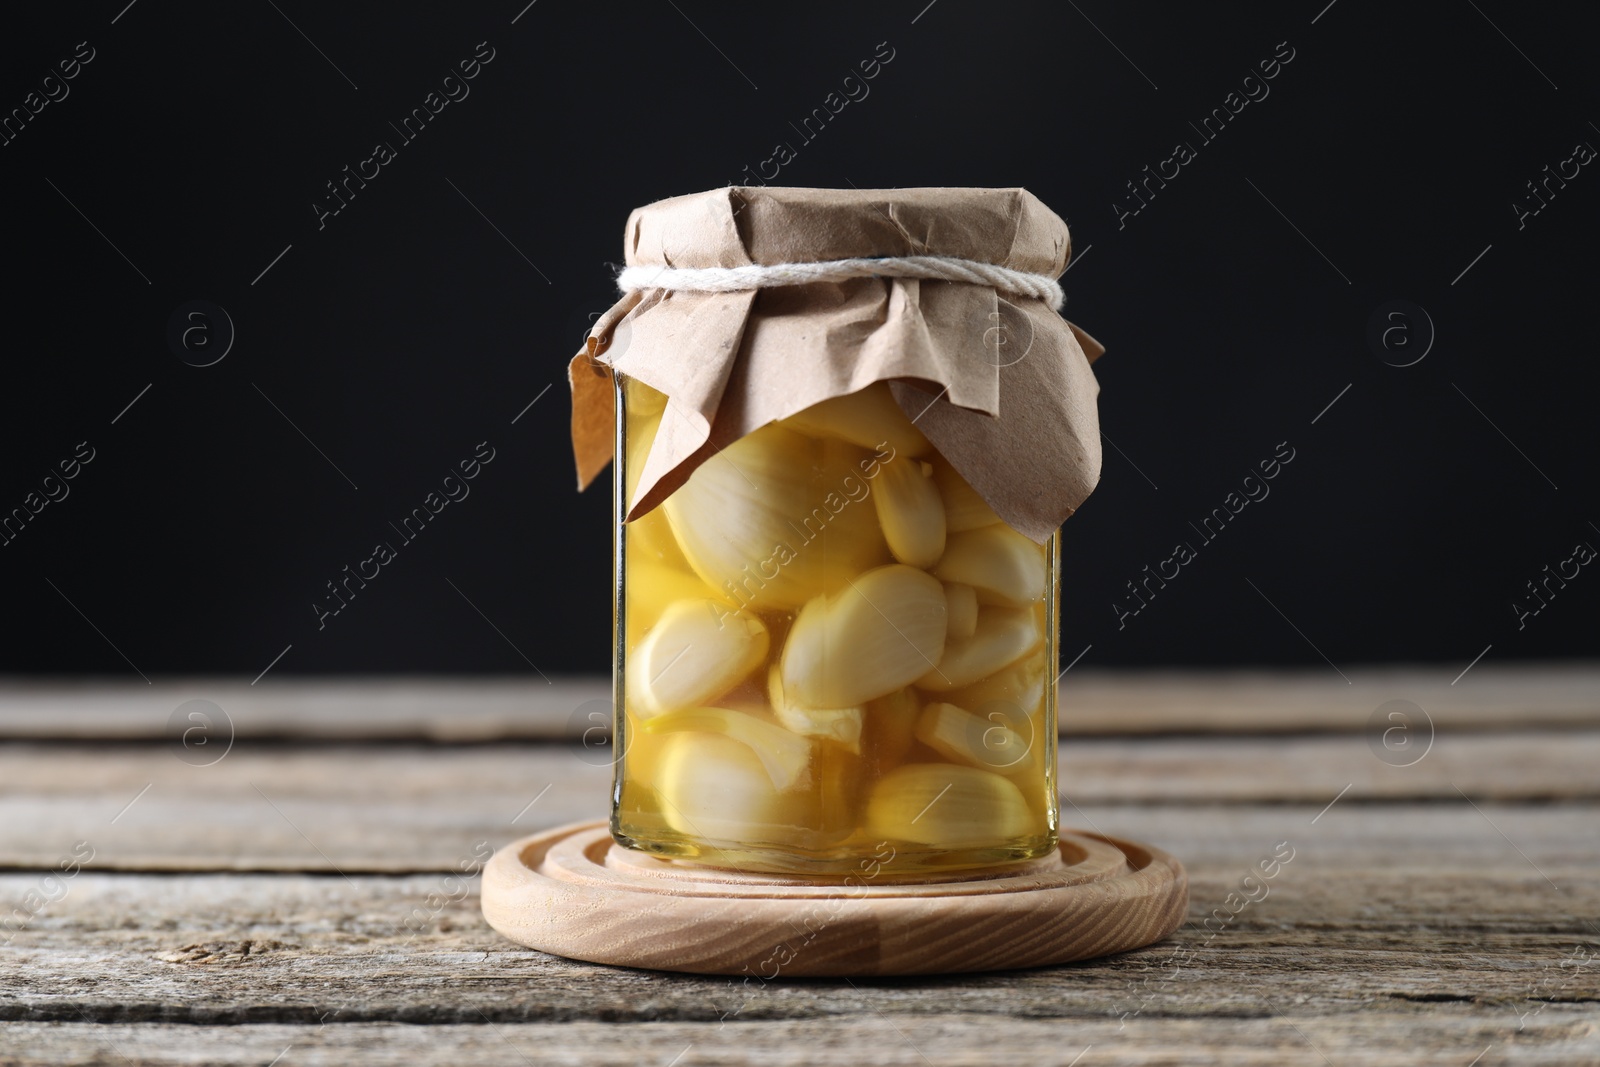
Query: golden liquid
773	583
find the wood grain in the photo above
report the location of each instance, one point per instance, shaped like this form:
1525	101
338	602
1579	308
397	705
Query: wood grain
1490	696
408	807
1092	702
1263	1038
1356	959
350	708
574	892
1447	912
292	948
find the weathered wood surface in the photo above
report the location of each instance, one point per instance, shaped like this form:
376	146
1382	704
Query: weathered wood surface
1395	1038
1092	702
292	900
406	807
1416	954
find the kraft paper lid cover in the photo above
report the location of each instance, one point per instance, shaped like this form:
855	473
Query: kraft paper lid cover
1000	384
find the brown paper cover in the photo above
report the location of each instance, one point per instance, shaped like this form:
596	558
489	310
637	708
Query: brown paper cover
1001	385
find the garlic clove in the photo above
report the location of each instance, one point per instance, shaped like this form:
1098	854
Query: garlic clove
997	739
649	537
839	725
774	517
962	601
910	511
654	587
1003	636
890	726
697	651
785	756
1004	566
868	417
964	508
717	789
948	806
880	633
1021	684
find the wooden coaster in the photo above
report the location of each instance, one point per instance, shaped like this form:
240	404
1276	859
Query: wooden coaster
574	892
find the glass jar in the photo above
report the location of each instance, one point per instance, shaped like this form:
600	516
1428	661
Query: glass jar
830	651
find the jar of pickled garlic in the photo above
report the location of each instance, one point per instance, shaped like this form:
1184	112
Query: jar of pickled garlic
839	477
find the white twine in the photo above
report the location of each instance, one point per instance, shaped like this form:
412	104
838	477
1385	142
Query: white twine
937	268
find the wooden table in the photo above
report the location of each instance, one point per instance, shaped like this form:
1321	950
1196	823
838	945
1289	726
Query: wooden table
303	898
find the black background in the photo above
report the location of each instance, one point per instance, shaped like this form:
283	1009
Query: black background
415	323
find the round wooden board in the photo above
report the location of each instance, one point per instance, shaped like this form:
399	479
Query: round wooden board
574	892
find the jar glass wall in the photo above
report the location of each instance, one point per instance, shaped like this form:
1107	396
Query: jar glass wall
829	652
